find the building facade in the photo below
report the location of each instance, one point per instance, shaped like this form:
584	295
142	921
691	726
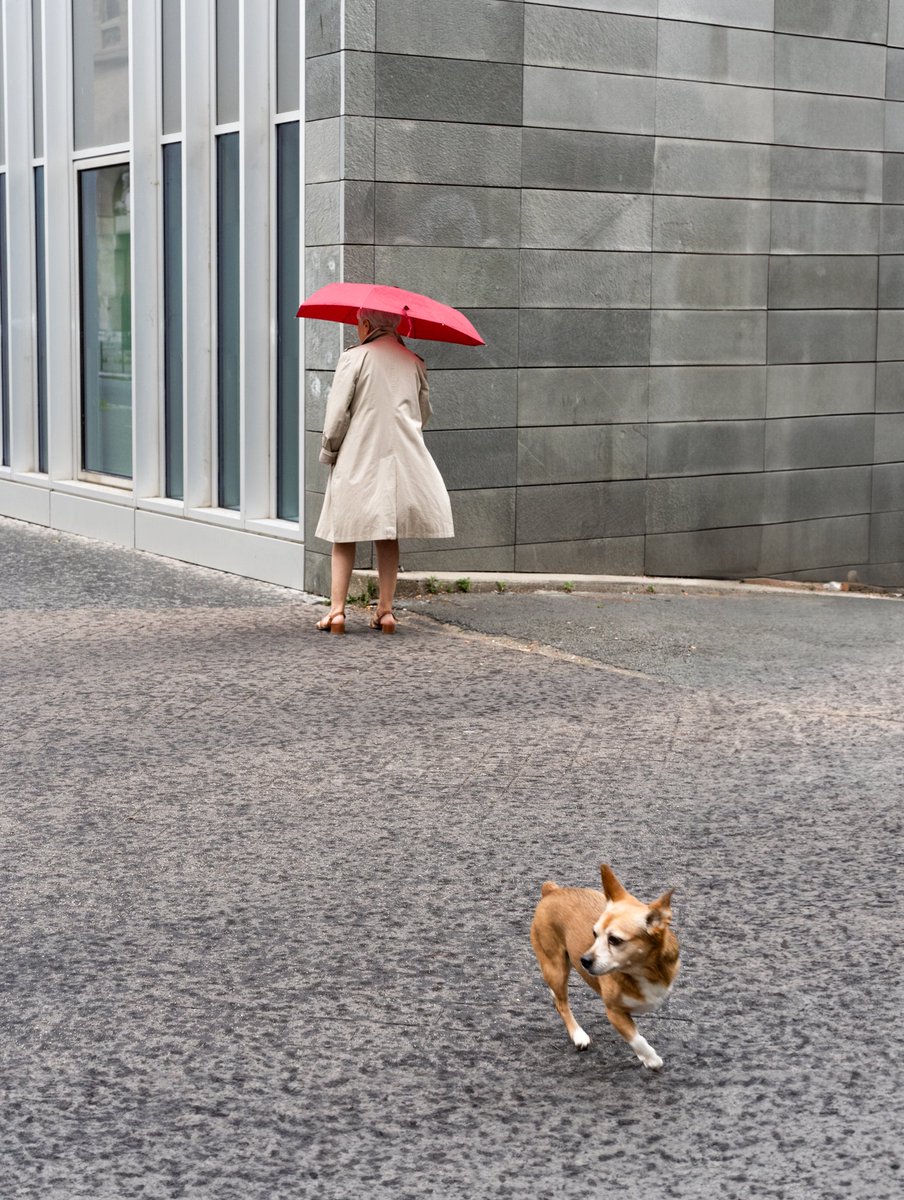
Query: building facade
678	225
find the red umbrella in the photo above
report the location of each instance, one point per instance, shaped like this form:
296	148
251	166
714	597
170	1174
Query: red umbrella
426	318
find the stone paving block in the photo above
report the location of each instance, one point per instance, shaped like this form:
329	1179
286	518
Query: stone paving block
802	545
705	448
587	40
463	277
890	439
802	173
856	20
712	281
807	495
890	387
489	30
606	556
409	214
323	150
753	14
723	553
698	338
588	100
448	89
704	502
316	391
822	281
891	229
888	487
896	22
713	111
812	228
580	511
890	337
581	453
582	395
445	152
474	458
323	28
360	24
641	8
584	279
891	281
836	122
460	558
820	389
358	134
723	169
586	220
894	75
482	517
584	337
893	179
360	84
833	441
321	214
818	64
832	335
894	126
592	162
358	214
476	399
886	543
499	329
707	393
704	225
715	54
323	91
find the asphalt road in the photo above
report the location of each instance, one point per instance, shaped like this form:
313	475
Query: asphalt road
266	893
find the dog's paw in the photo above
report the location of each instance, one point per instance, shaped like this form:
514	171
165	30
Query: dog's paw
581	1039
646	1053
654	1062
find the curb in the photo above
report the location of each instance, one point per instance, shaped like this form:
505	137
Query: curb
415	583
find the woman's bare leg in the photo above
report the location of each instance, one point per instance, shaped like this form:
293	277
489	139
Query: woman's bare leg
388	572
343	563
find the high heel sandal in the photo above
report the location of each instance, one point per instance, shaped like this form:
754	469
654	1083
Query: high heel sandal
332	623
385	623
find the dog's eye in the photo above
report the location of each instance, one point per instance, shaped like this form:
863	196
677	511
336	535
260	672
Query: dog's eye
615	941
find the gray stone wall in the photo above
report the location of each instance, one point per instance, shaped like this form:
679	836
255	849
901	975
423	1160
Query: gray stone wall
679	226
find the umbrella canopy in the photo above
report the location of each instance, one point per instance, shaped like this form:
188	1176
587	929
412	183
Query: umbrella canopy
427	319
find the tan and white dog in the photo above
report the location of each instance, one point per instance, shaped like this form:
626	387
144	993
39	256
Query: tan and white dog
623	948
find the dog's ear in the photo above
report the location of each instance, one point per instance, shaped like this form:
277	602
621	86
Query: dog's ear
659	913
611	886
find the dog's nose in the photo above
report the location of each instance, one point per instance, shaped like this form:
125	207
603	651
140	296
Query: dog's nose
586	962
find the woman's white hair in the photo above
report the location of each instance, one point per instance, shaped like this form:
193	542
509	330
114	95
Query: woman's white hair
379	320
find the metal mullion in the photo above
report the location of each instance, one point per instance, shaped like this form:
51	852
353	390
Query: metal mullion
20	281
63	393
198	255
256	310
147	392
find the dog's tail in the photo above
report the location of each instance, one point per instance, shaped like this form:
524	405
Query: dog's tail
548	887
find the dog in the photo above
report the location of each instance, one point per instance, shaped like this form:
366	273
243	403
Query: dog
624	949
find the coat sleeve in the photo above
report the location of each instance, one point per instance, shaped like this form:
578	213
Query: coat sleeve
423	396
338	407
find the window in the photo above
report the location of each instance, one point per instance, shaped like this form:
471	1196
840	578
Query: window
4	330
100	46
41	318
287	324
106	320
172	317
228	323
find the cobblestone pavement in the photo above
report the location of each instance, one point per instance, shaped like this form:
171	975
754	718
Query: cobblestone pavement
266	893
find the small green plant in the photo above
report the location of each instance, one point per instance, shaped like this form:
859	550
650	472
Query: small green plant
501	585
367	595
651	590
462	585
568	587
431	585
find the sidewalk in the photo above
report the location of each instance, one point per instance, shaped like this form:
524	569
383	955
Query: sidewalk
267	892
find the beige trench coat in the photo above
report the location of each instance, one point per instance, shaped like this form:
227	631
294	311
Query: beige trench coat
383	483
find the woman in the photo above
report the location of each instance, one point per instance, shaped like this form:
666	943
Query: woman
383	483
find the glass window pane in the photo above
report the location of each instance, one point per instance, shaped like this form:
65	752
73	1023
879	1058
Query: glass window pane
41	318
228	326
100	47
37	75
288	44
106	303
227	61
172	316
172	66
4	333
287	324
2	94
